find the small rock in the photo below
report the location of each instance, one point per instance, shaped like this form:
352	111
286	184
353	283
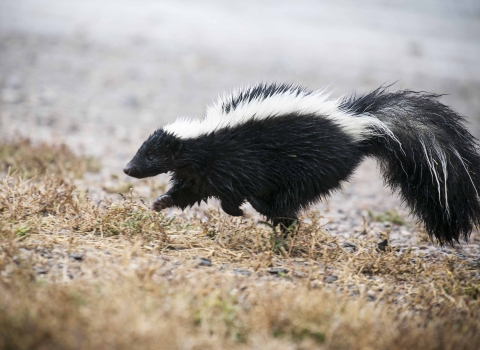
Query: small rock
40	270
331	279
278	271
349	244
300	274
46	254
171	247
242	272
76	256
383	245
461	256
203	262
371	296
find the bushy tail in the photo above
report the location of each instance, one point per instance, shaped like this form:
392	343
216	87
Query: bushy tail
426	152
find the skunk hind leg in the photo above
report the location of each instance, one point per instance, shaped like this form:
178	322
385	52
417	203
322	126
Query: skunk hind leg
278	216
287	224
231	206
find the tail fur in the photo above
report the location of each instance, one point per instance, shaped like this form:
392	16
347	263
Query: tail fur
428	155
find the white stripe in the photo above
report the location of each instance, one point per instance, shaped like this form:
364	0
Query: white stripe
466	170
280	104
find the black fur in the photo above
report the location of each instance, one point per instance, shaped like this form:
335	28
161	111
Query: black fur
282	164
262	91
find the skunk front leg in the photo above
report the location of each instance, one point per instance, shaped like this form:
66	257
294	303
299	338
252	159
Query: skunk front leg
180	195
162	202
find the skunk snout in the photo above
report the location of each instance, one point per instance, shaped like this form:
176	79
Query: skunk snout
130	170
139	170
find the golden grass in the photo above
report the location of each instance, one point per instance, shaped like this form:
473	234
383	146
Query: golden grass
22	155
78	274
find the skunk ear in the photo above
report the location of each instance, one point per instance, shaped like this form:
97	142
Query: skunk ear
175	147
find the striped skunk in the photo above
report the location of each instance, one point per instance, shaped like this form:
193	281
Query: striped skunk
283	147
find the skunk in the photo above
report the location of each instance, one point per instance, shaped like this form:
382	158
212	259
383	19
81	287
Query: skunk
283	147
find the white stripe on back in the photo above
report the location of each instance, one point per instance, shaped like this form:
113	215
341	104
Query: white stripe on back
292	101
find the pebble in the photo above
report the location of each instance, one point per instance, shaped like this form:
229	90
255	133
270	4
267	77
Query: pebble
203	262
40	270
242	272
331	279
350	245
300	274
76	256
474	264
383	245
171	247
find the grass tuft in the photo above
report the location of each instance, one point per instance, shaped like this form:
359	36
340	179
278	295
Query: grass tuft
25	157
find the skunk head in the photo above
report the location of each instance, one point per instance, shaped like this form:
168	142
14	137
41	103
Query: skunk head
157	155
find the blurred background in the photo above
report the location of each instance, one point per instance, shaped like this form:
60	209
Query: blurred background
101	75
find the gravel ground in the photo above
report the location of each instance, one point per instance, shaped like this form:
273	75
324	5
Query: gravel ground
102	75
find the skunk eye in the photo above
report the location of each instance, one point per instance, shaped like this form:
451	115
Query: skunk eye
151	158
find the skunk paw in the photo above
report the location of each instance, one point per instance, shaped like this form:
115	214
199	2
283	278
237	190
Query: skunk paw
162	202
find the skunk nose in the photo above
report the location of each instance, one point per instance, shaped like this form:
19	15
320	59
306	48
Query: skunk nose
128	169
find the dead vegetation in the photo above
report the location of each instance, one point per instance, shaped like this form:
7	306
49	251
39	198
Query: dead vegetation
22	156
81	274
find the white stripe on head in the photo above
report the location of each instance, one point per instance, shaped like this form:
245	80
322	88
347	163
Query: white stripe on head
293	100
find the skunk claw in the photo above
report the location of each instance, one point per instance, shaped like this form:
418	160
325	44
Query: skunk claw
162	202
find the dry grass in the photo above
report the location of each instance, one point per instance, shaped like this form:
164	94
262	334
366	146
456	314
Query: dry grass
78	274
23	156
